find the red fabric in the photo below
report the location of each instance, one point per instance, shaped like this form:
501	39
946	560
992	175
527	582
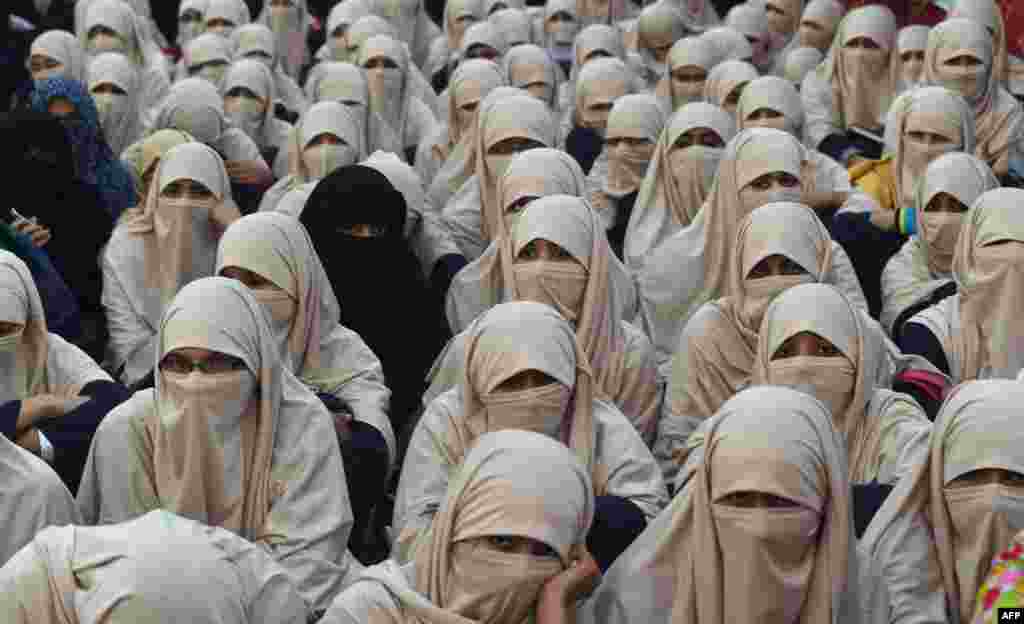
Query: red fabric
935	386
1013	16
931	16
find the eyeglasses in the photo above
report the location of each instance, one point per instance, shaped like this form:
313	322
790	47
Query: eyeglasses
216	364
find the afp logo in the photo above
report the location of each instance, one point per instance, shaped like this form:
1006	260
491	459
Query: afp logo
1011	614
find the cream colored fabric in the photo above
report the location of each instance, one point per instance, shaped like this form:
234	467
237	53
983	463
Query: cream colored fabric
514	483
706	561
924	263
207	48
412	24
800	62
234	11
783	28
290	25
485	33
678	181
751	20
119	114
659	26
154	252
64	48
989	14
529	67
474	213
717	348
480	285
158	567
929	547
823	13
910	39
730	44
266	130
346	84
852	87
687	52
515	24
253	451
600	81
999	119
304	314
257	38
339	20
620	171
594	38
726	78
393	94
588	291
882	441
142	157
690	268
506	340
471	82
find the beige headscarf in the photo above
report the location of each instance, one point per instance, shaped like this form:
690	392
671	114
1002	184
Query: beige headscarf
515	24
691	268
470	83
845	384
678	181
256	77
340	19
179	239
861	91
705	561
345	83
601	80
393	98
773	93
207	48
800	62
360	31
452	12
23	354
910	39
998	116
751	20
715	365
824	13
687	52
928	109
725	78
159	566
593	38
988	339
120	114
729	44
989	14
945	537
143	155
515	483
485	33
659	25
527	67
635	116
325	118
64	48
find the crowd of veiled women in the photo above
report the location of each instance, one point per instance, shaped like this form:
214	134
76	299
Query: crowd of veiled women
491	311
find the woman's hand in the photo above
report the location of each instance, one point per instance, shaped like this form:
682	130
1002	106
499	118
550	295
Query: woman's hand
558	597
43	407
38	234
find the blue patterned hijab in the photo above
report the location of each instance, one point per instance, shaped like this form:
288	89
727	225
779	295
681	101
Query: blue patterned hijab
95	163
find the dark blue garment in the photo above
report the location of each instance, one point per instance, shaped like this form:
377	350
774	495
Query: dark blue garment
365	457
869	249
919	340
617	234
60	306
617	523
95	163
867	500
71	435
585	145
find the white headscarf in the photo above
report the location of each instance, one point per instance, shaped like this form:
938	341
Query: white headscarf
119	114
64	48
290	24
260	126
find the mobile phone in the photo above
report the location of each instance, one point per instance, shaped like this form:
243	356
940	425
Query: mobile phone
17	217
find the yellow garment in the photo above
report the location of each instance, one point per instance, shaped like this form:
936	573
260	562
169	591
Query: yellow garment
876	178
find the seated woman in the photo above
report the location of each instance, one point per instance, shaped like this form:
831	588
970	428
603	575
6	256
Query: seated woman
249	96
326	138
814	340
959	48
69	240
726	83
52	395
760	166
271	254
257	42
920	275
532	174
506	544
160	566
778	246
525	369
142	157
923	124
528	67
690	60
911	42
594	41
509	121
772	102
557	254
114	86
231	438
95	164
470	83
370	235
761	532
152	253
207	56
195	106
599	83
658	27
635	124
977	333
927	551
678	179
